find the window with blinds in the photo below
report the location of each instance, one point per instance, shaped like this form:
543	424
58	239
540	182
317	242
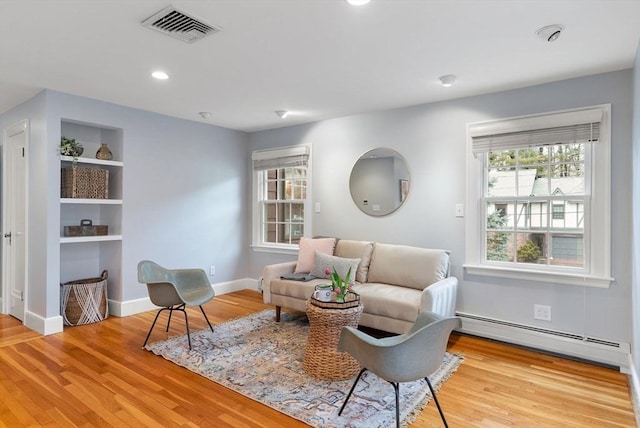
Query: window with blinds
281	183
543	200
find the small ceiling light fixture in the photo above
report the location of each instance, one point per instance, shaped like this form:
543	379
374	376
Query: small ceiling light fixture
550	33
447	80
282	114
205	114
358	2
160	75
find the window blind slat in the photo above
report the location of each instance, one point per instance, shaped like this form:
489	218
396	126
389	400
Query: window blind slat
556	128
287	157
284	162
589	132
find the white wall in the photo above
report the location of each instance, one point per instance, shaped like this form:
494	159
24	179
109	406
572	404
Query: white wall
39	171
432	138
183	197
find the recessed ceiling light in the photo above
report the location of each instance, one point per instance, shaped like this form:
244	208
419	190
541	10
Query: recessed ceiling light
447	80
550	33
160	75
357	2
282	114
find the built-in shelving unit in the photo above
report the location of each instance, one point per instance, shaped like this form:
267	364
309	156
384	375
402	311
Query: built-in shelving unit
86	256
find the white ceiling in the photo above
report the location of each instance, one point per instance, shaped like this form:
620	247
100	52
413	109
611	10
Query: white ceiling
317	58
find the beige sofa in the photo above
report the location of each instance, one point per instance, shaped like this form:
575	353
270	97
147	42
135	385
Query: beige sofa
395	283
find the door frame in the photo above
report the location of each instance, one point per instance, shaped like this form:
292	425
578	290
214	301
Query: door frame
9	131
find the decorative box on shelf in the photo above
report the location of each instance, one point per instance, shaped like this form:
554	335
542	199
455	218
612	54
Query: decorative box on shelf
86	228
85	183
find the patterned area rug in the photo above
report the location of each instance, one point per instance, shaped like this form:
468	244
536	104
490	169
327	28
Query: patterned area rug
262	360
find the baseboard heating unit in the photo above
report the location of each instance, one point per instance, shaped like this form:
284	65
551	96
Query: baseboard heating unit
570	344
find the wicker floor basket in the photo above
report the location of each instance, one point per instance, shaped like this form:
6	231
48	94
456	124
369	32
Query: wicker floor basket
322	359
84	301
86	183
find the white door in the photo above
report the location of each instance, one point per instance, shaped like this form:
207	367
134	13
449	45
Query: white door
14	180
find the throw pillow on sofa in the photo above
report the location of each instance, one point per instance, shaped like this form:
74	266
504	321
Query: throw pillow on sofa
340	264
307	249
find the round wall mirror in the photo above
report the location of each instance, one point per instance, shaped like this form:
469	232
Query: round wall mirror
379	182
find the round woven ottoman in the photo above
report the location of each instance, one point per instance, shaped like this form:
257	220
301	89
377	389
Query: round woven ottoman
321	357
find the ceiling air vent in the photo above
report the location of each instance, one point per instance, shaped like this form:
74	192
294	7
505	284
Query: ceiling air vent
176	24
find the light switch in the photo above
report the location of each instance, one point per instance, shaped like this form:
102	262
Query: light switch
317	207
459	210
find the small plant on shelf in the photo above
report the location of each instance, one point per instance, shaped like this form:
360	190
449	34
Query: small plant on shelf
69	147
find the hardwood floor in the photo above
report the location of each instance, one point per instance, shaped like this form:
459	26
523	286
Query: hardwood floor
98	375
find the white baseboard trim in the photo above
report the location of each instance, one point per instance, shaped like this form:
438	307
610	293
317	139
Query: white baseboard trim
634	386
237	285
44	326
590	349
132	307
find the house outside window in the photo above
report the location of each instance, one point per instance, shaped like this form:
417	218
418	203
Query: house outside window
543	202
281	195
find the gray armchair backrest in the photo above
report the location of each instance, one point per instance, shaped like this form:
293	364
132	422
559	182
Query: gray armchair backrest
169	287
404	358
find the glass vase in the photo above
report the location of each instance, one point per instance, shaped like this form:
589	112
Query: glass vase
104	153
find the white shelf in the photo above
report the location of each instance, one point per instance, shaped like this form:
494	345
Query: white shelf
92	161
91	201
78	239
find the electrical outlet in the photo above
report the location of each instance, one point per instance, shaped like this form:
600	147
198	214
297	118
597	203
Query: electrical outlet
212	270
542	312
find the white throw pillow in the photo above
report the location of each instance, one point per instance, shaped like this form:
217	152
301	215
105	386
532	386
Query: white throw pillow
341	265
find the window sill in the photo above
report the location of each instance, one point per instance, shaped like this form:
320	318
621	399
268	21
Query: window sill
275	249
540	276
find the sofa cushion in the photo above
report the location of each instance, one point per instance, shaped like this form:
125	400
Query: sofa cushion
340	264
407	266
307	249
297	289
356	250
389	301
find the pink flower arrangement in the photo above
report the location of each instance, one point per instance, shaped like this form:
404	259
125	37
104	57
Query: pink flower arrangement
340	286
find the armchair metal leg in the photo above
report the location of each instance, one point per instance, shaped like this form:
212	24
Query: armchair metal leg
351	391
152	325
169	318
433	394
186	321
205	317
171	309
396	387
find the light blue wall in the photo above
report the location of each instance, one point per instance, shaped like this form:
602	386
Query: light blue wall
635	213
183	197
432	137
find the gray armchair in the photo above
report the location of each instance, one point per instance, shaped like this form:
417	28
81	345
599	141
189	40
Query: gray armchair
404	358
174	289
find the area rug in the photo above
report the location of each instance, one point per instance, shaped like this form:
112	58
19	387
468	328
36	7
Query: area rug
262	359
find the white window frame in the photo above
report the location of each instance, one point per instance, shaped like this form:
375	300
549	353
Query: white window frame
597	231
258	244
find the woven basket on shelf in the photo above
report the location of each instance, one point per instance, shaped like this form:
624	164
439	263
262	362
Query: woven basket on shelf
84	301
85	183
321	356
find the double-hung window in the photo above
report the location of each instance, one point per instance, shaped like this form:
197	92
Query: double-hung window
538	189
281	194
